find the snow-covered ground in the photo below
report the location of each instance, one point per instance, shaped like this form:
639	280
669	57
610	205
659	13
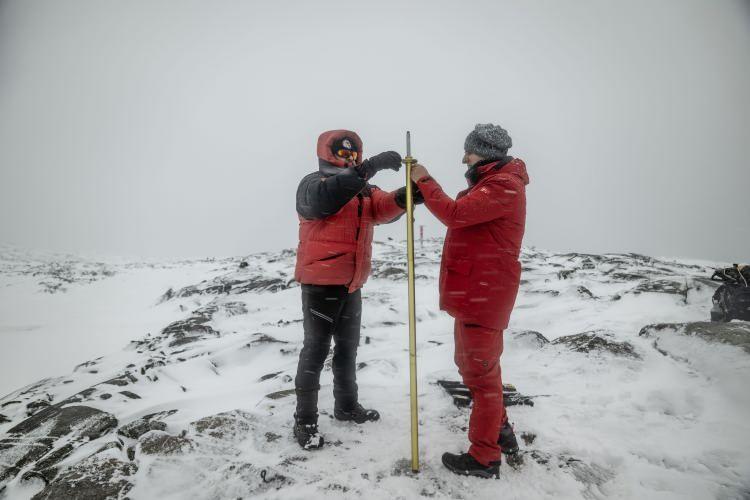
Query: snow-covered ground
659	415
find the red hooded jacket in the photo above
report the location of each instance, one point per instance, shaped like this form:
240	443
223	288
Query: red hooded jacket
335	248
480	271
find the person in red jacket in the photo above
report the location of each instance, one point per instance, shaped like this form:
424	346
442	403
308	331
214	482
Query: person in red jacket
337	211
479	279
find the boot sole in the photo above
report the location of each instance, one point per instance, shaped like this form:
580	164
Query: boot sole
476	473
351	419
479	474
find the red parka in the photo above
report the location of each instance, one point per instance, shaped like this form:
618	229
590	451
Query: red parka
480	271
336	248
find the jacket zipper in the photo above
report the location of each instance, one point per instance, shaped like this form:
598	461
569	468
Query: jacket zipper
356	237
359	215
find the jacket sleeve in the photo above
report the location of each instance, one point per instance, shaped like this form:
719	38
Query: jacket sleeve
384	206
318	196
493	200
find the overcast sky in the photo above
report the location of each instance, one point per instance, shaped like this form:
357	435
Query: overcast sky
182	128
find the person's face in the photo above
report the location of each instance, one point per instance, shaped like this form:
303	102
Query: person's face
349	157
471	159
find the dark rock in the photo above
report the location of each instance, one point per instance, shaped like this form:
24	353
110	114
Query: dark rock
528	438
262	338
661	286
393	273
552	293
269	376
45	468
35	406
736	333
531	337
130	395
582	290
462	396
280	394
234	308
122	380
4	419
272	437
85	364
225	285
8	403
105	396
565	273
161	443
596	341
88	422
91	479
166	296
34	437
141	426
189	330
224	425
626	277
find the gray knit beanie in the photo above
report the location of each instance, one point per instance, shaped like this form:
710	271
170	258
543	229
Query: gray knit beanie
488	141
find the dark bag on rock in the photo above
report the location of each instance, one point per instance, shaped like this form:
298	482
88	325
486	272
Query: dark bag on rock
732	299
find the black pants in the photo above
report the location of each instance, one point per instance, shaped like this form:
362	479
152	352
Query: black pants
330	311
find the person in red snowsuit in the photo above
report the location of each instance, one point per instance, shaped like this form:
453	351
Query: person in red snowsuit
337	209
479	279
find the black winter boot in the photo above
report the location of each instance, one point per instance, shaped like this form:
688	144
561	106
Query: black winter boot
507	440
357	414
467	465
307	435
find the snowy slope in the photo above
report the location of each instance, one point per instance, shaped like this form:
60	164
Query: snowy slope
659	415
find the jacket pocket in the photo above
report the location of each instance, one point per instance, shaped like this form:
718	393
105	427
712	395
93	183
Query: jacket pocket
457	282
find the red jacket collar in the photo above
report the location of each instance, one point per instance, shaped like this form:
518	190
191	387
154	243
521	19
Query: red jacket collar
515	167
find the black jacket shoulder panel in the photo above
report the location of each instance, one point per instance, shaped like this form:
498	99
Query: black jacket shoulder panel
319	196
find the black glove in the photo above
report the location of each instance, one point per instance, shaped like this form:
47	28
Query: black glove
416	196
382	161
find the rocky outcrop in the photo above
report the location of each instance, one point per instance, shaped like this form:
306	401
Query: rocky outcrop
140	426
596	341
49	436
97	477
530	338
736	333
162	443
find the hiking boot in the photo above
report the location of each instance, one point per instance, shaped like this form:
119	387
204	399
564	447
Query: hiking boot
356	414
507	439
467	465
308	436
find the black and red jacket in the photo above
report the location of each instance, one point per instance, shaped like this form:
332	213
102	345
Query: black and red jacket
337	212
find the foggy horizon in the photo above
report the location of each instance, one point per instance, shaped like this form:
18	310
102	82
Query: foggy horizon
164	130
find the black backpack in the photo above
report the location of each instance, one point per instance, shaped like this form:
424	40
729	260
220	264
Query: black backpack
732	299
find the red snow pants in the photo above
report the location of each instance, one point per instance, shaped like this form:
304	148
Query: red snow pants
477	356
